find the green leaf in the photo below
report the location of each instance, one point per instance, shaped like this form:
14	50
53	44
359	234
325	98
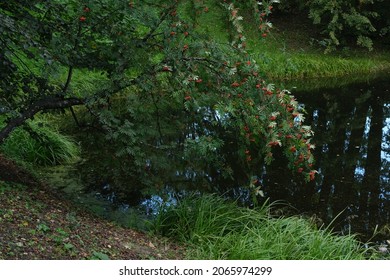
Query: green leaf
68	246
100	256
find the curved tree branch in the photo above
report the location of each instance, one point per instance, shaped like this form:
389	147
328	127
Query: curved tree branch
46	103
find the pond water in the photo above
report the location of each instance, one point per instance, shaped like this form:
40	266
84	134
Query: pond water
352	137
352	189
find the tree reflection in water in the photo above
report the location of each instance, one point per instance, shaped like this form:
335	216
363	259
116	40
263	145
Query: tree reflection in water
352	136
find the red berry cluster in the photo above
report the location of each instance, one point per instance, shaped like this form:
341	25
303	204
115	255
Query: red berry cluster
86	10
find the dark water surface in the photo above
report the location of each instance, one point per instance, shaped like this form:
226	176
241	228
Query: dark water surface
352	137
352	187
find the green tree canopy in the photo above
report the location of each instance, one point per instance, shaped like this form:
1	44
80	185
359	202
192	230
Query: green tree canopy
175	106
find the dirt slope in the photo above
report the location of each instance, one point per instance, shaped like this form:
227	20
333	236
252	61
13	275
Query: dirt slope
36	223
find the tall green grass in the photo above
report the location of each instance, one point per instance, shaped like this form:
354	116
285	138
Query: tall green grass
217	229
281	66
287	54
40	143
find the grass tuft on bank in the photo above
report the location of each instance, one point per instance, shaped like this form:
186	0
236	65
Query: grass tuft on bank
38	142
218	229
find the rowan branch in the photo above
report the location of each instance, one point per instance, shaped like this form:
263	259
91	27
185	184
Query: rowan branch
36	107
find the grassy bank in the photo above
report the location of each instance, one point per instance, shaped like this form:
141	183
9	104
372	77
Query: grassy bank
281	58
290	52
217	229
37	223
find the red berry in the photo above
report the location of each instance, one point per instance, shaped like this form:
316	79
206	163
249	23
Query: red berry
293	149
166	68
273	143
82	19
312	175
